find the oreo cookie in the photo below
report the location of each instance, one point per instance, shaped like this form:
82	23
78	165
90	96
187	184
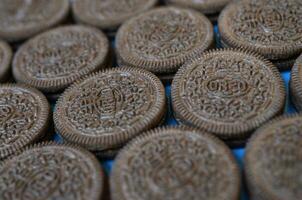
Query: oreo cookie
175	163
296	84
162	39
271	28
5	61
21	19
110	14
273	161
51	171
55	59
228	92
211	8
24	118
107	109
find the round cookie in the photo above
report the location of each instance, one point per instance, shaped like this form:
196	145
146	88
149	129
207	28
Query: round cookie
55	59
273	160
24	118
271	28
20	19
5	61
227	92
109	14
296	84
162	39
51	171
107	109
175	163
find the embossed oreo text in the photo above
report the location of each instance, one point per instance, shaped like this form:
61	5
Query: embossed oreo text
228	89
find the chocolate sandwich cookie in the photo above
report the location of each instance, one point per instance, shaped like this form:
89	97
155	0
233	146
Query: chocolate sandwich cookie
55	59
228	92
21	19
24	118
271	28
109	14
162	39
5	61
273	160
106	109
211	8
175	163
51	171
296	84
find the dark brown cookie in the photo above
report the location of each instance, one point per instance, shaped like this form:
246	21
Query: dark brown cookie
51	171
162	39
210	8
271	28
24	117
109	14
175	163
296	84
273	160
105	110
228	92
5	61
20	19
55	59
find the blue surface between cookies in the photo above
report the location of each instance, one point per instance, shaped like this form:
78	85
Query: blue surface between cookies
238	152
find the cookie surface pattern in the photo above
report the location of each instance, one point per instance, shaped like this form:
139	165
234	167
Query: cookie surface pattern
163	37
60	56
277	150
205	6
18	114
51	172
174	164
102	13
23	117
227	91
20	19
107	100
116	104
264	24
